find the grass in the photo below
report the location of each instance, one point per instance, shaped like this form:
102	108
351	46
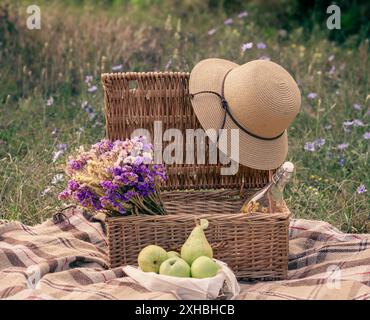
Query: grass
81	41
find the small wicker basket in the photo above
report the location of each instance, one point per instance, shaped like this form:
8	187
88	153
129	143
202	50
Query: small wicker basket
255	246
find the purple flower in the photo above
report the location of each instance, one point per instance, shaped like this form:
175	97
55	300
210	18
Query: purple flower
366	135
319	142
348	123
64	195
88	79
332	70
309	146
247	46
73	185
342	162
92	89
357	106
87	198
212	32
76	164
109	185
342	146
261	45
312	95
228	22
243	14
117	67
358	123
62	146
103	146
361	189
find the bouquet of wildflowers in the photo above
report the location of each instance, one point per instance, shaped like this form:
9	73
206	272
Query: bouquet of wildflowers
117	177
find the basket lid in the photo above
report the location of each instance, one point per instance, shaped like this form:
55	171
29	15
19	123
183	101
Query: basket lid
150	103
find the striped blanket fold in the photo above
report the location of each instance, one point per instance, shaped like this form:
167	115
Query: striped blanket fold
67	260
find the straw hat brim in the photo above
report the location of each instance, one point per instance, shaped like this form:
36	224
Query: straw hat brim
253	152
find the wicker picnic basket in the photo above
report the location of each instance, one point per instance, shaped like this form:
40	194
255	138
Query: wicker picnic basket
255	246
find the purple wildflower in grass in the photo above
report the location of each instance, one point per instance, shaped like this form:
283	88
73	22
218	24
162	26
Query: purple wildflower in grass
358	123
312	95
247	46
243	14
309	146
342	146
62	146
92	89
50	101
366	135
228	22
212	31
357	106
88	79
361	189
117	67
261	45
348	123
332	70
342	162
319	142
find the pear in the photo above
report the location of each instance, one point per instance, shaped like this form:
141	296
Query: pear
196	245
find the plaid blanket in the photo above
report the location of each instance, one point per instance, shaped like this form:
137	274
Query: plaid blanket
67	260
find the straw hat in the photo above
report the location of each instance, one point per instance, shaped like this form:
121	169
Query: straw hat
260	98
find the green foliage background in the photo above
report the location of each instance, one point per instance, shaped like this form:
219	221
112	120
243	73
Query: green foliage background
85	38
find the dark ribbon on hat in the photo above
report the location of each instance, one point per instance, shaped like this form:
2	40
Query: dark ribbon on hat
226	108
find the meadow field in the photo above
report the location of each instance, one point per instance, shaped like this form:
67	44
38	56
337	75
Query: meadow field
51	98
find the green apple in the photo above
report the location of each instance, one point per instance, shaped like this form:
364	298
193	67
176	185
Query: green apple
151	257
175	267
204	267
173	254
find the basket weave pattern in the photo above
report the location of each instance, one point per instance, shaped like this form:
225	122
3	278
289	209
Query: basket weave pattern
254	246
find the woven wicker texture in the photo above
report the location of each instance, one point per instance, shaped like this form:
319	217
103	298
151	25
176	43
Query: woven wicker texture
255	246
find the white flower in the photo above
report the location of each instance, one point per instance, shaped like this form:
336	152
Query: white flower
50	101
47	190
57	178
57	154
92	89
